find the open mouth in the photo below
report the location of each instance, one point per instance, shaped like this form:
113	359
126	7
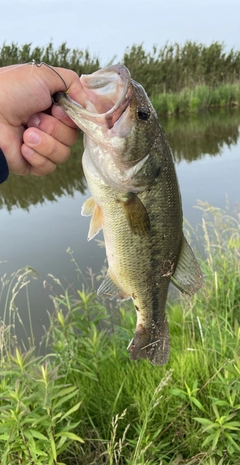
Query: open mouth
107	94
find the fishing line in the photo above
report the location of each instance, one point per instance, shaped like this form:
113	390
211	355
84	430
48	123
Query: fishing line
12	67
33	62
52	69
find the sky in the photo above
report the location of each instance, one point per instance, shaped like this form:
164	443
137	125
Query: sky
108	27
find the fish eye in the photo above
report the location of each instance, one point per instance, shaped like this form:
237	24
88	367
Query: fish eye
143	113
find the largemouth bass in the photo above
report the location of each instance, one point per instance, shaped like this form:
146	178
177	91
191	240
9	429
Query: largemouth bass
135	199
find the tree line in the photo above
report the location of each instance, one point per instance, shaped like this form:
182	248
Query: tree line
170	68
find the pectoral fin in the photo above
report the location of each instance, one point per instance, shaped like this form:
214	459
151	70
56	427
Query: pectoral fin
91	208
136	214
88	207
188	275
111	290
95	223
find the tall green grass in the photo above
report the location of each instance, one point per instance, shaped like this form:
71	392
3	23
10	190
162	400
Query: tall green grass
85	402
172	68
198	99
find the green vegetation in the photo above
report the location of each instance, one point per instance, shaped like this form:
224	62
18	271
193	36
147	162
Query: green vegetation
200	98
173	68
187	78
190	78
84	402
76	59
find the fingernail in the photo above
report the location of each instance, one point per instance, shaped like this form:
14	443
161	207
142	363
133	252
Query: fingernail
34	121
34	138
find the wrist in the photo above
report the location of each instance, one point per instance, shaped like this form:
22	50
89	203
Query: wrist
4	170
10	143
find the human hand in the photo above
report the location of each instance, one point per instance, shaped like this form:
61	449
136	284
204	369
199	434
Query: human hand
47	141
32	141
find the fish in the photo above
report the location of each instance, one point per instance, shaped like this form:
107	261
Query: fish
136	201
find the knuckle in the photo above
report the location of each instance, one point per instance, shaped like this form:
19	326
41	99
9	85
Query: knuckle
41	172
43	167
48	125
74	136
64	155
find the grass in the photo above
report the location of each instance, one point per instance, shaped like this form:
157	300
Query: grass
197	99
85	402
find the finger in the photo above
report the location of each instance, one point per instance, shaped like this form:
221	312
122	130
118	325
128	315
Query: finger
38	142
39	165
67	133
60	80
74	85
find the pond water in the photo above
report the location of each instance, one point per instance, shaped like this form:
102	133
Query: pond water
40	217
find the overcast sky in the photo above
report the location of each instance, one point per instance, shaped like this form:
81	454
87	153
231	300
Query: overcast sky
107	27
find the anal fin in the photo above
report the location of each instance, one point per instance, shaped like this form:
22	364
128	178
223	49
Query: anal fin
111	290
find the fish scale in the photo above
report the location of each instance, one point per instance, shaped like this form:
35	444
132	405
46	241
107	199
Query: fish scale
138	263
136	200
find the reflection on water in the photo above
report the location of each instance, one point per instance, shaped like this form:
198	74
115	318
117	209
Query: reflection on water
191	138
24	191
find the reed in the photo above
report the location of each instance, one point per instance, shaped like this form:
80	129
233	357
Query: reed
198	99
76	59
172	68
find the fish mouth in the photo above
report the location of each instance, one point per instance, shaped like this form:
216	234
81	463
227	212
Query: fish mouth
106	95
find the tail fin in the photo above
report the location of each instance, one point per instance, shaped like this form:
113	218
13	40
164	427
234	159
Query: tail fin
152	344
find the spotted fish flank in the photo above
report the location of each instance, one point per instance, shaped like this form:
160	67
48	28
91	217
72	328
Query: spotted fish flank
136	201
